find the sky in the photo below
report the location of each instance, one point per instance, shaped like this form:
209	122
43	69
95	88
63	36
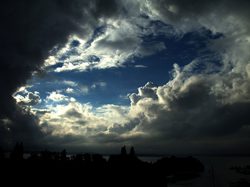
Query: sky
168	77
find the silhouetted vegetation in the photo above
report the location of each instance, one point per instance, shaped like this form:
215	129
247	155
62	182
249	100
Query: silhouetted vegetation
17	153
118	170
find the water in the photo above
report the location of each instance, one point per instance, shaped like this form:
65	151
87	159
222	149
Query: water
217	172
150	159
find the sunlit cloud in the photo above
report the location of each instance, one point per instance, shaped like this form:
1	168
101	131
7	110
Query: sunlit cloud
202	98
56	96
119	41
25	98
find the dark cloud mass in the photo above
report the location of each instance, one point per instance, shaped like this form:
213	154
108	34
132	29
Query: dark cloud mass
29	29
198	108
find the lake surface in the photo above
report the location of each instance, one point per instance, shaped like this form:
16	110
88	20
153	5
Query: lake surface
217	172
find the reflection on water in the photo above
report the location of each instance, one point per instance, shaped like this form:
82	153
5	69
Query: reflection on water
150	159
218	173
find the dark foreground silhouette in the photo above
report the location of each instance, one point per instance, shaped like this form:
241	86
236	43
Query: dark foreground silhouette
125	169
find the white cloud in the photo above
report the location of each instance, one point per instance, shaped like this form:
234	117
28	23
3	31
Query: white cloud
112	48
100	84
56	96
69	87
84	89
50	61
79	90
81	119
114	113
120	41
69	90
74	66
22	89
140	66
69	83
124	96
26	98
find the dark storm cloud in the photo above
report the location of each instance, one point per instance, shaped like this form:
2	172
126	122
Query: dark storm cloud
182	9
106	8
29	29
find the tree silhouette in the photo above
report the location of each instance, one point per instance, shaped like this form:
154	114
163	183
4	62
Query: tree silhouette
123	151
132	152
17	153
64	155
1	154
